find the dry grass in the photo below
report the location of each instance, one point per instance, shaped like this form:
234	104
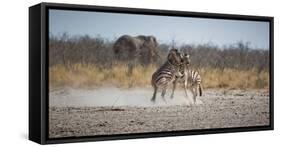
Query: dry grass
235	79
79	75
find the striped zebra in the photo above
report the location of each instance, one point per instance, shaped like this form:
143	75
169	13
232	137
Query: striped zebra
162	77
190	78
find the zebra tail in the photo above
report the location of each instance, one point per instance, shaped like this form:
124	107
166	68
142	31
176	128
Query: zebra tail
200	90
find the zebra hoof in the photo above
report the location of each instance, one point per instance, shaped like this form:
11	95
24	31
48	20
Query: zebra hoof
194	103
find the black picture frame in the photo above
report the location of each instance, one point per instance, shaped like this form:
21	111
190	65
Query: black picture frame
38	71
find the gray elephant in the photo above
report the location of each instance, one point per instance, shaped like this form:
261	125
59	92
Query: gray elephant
139	49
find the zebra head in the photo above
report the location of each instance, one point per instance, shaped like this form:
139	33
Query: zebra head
186	59
175	57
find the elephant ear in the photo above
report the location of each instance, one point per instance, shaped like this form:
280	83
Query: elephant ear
153	40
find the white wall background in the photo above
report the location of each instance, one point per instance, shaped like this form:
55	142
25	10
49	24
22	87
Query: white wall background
14	71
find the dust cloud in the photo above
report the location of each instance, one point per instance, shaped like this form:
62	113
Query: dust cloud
70	97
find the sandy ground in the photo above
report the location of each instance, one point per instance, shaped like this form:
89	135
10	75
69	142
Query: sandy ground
77	112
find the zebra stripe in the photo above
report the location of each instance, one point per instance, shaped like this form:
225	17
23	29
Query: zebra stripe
166	73
190	77
162	77
194	77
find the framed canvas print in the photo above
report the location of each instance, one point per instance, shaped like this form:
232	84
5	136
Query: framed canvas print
102	73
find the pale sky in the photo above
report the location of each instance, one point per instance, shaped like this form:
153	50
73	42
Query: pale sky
164	28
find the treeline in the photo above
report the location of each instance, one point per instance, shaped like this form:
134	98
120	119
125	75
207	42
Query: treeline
235	56
67	51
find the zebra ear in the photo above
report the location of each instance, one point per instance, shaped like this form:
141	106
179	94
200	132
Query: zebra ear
186	55
182	55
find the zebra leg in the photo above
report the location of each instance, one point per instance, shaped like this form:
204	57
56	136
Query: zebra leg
154	94
185	91
185	88
163	92
194	92
200	90
174	87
